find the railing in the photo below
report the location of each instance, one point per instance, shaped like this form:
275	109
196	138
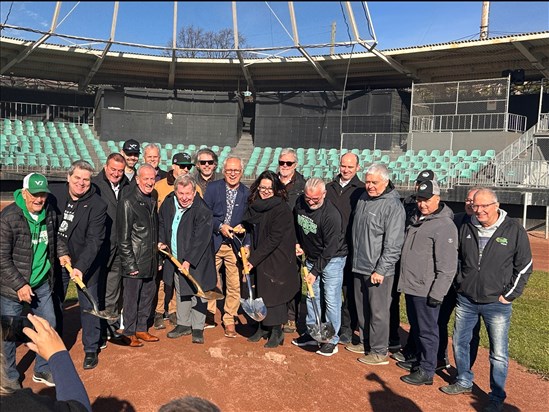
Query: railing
543	124
46	112
514	150
469	122
515	173
372	141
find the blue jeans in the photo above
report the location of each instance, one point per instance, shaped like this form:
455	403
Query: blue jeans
42	305
332	280
497	318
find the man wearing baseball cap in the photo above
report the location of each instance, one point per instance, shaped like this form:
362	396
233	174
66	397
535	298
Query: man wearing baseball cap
27	255
165	309
427	268
131	151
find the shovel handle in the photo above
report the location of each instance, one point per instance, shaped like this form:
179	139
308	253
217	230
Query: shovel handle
309	286
76	279
184	271
244	258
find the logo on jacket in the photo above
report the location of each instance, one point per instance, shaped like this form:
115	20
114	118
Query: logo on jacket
502	241
450	240
468	237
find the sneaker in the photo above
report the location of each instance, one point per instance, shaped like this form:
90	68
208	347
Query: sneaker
173	318
327	349
304	340
43	377
355	348
374	359
158	322
394	347
103	344
166	316
403	357
493	406
289	327
210	321
455	389
410	366
442	365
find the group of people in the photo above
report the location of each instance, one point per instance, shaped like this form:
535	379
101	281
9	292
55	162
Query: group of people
361	245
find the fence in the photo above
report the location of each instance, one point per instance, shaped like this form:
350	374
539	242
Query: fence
46	112
373	141
469	122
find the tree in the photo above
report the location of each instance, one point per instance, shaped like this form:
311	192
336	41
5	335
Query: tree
197	38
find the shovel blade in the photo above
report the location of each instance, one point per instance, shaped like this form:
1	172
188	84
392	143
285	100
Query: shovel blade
323	333
212	295
255	308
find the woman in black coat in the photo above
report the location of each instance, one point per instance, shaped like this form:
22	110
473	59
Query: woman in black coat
271	223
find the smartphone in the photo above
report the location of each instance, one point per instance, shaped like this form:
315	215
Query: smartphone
12	328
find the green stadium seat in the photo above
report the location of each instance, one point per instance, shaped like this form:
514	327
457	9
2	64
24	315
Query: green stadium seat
490	153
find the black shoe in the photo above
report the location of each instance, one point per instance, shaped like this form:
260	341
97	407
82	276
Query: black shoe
402	356
179	331
410	366
276	337
91	360
305	340
417	378
173	318
443	364
259	334
198	336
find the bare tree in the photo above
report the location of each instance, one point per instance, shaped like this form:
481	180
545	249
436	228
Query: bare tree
192	37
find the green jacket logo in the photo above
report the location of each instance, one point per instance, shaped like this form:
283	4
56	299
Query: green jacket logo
502	240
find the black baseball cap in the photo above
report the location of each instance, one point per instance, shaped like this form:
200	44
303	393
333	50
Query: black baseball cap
425	175
131	146
182	159
428	189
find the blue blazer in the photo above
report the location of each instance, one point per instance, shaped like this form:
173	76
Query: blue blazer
216	199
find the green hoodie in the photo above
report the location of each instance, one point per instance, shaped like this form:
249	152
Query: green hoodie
39	235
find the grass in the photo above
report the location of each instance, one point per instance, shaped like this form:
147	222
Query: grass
528	342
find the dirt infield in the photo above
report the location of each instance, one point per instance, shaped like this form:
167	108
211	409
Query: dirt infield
241	376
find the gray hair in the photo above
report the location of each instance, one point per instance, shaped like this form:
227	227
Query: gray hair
143	167
378	169
488	191
315	182
289	151
233	157
151	146
80	164
184	180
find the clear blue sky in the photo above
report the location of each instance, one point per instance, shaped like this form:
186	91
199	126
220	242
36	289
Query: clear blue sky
397	24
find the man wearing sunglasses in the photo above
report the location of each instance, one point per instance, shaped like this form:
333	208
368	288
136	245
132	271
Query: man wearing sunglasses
496	262
206	163
294	183
165	308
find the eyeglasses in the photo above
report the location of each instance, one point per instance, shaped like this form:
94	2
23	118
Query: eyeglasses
477	207
231	171
313	200
264	188
283	163
468	201
206	162
188	167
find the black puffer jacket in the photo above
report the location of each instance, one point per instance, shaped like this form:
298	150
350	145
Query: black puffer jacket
16	252
137	231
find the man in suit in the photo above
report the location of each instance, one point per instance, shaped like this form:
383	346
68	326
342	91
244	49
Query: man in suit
227	199
82	228
110	183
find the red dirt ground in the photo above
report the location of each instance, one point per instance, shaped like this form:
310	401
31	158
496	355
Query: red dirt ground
241	376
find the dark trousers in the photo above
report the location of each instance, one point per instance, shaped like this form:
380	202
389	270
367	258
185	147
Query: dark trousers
293	304
424	318
112	280
394	314
349	319
138	299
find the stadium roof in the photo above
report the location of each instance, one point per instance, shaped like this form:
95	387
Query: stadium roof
461	60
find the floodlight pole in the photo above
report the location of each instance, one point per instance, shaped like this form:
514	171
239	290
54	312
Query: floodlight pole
484	20
171	78
247	75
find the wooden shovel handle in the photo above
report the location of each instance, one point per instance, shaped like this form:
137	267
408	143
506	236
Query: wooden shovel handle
183	270
76	279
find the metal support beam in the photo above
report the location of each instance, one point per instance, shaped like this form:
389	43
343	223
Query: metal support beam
99	61
247	75
531	58
31	47
319	69
171	76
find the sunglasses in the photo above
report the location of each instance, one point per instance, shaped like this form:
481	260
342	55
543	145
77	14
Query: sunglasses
282	163
187	166
206	162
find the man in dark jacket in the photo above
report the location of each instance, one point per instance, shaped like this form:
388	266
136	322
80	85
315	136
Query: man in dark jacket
82	228
378	234
294	183
137	233
110	183
428	266
27	258
496	262
152	157
344	192
321	237
186	228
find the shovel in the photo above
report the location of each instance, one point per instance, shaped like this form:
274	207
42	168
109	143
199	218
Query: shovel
255	308
103	314
210	295
321	332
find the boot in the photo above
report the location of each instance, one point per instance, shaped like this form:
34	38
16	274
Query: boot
260	333
275	338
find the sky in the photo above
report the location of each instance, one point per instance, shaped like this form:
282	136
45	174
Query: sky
267	24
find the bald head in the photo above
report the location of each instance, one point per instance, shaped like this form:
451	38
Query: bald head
348	166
